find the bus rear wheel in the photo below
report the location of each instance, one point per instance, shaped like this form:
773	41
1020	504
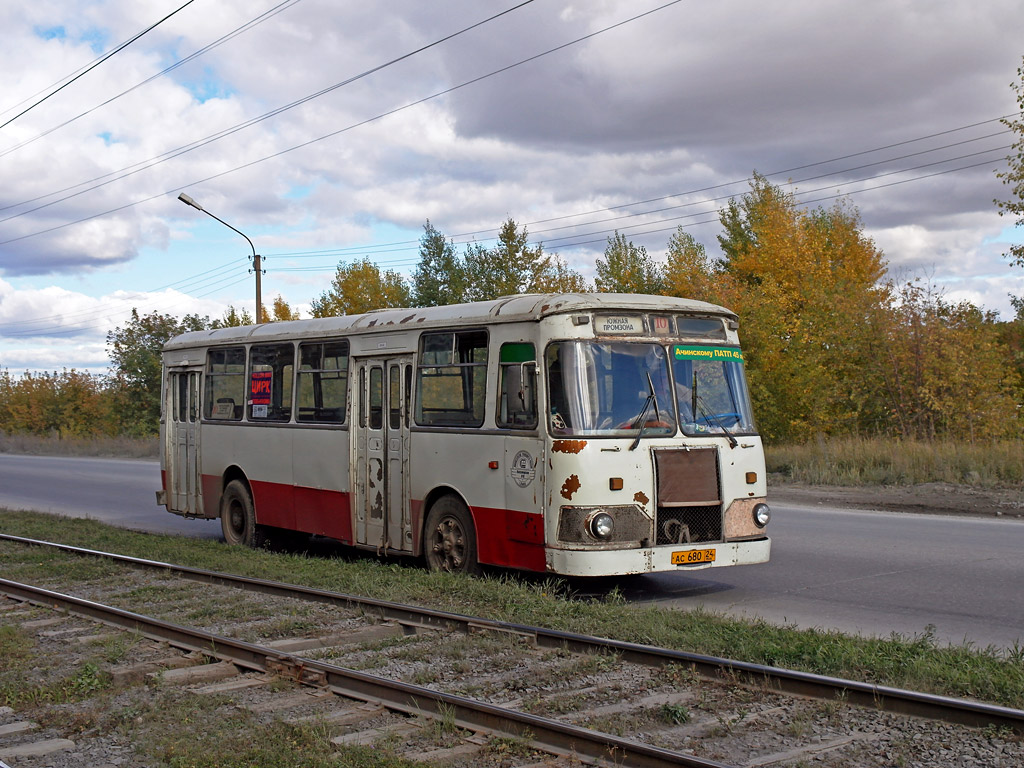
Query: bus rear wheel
238	516
450	539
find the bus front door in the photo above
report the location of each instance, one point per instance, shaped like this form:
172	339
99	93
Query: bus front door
183	486
381	477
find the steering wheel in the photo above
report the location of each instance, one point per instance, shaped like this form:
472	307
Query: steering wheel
716	418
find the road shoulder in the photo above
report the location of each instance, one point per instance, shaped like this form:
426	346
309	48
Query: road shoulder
925	498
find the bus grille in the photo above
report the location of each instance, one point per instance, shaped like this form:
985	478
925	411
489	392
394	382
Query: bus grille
683	525
689	500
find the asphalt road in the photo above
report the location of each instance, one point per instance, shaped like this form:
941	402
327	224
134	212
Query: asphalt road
864	572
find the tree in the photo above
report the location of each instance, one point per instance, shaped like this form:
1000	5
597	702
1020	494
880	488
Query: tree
627	268
440	276
135	354
360	287
806	285
559	277
510	267
282	311
1014	177
689	273
941	370
233	318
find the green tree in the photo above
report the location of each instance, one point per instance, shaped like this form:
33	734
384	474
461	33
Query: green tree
745	220
689	273
559	277
234	318
510	267
135	354
627	268
360	287
1014	176
440	276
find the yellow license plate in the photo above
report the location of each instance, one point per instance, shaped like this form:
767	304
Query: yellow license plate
693	556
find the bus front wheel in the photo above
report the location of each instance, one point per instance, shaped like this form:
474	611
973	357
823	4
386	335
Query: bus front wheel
450	540
238	516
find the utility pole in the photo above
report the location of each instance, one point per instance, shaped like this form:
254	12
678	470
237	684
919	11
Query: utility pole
255	256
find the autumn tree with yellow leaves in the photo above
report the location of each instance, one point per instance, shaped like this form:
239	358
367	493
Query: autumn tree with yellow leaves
806	285
360	287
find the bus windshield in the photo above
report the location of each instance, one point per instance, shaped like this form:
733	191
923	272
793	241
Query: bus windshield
615	389
609	388
711	394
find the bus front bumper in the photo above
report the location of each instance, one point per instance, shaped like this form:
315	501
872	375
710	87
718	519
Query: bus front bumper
678	557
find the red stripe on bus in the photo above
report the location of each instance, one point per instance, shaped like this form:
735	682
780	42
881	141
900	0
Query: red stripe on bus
505	537
510	538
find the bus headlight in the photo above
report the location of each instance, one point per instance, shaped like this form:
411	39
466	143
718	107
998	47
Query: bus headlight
762	515
601	526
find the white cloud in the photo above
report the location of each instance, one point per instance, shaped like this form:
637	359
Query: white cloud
688	98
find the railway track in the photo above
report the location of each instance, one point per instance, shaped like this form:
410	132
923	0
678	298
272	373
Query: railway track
670	685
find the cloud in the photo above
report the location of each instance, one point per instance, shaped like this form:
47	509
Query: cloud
683	104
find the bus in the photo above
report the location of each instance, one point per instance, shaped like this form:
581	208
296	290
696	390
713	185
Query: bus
574	434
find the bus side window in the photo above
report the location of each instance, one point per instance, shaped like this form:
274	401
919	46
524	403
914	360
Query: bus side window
517	395
225	384
451	379
322	382
271	368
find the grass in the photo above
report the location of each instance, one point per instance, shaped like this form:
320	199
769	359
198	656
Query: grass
852	461
918	663
23	685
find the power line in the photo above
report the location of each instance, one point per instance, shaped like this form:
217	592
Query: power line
143	165
466	237
252	23
95	64
59	330
333	133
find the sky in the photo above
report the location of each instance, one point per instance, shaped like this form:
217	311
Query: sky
329	132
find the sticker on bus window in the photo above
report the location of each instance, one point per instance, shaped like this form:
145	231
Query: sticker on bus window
723	354
260	383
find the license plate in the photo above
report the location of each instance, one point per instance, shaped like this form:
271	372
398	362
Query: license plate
693	556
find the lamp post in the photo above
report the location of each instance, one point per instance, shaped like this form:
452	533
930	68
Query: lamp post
255	256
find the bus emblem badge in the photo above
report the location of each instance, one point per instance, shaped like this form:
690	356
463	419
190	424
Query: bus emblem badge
523	469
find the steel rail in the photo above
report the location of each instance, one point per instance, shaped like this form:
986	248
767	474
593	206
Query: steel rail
550	736
882	697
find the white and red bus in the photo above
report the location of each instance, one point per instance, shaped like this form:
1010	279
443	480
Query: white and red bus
576	434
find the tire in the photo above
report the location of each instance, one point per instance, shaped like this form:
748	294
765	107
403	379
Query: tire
238	517
449	538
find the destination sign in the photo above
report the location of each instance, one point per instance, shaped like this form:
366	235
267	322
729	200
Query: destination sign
725	354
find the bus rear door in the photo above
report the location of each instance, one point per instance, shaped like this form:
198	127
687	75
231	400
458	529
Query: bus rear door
184	490
380	469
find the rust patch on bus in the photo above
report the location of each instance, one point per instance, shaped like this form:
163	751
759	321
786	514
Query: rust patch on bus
405	320
568	446
570	486
640	498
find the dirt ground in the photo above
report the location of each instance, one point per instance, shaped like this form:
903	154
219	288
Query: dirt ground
933	498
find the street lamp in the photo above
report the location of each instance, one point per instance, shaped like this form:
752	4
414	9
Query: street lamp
255	256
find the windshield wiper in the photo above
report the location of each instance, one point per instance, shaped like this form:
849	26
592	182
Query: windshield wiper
651	398
733	442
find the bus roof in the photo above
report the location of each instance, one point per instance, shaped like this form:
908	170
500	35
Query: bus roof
508	309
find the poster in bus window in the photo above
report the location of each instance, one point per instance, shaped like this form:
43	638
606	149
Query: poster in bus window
260	384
